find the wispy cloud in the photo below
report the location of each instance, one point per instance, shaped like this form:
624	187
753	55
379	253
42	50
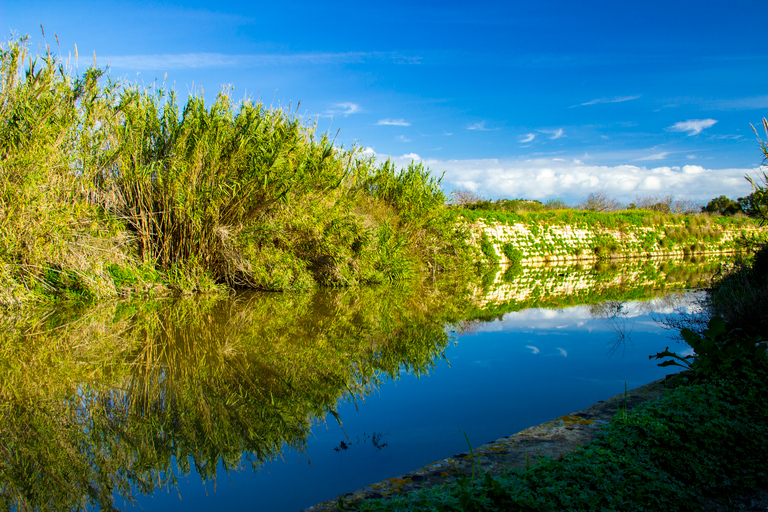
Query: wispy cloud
533	349
344	109
748	103
554	134
692	126
393	122
165	61
478	127
657	156
563	352
597	101
527	138
403	138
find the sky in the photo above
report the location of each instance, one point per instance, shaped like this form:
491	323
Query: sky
517	99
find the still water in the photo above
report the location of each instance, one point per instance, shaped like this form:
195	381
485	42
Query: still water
503	376
277	402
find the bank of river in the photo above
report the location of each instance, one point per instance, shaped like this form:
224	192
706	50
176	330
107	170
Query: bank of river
551	439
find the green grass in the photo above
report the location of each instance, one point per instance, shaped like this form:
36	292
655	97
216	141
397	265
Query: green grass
611	220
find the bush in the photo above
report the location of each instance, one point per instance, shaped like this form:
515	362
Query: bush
513	254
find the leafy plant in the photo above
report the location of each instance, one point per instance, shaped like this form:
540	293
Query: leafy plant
715	348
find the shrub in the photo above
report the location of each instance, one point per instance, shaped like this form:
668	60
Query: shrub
513	254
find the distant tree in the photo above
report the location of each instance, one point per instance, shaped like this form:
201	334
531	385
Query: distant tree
599	202
723	206
464	197
686	206
556	204
514	205
661	204
665	204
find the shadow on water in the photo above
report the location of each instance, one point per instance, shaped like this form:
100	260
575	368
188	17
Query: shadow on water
122	398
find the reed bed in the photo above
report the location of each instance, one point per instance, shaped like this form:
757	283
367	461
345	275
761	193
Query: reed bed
106	187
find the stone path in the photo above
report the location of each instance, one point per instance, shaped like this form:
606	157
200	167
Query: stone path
551	439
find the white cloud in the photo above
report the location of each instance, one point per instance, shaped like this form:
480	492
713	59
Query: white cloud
393	122
555	134
563	352
527	138
692	126
619	99
412	156
344	109
403	138
533	349
657	156
572	179
478	126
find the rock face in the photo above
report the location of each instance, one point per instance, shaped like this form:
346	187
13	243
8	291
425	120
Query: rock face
533	242
551	439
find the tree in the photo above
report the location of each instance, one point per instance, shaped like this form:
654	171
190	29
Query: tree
723	206
556	204
464	197
755	204
599	202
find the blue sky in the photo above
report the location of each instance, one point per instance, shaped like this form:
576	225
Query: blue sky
510	99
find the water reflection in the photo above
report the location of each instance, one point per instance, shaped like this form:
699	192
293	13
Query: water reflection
123	398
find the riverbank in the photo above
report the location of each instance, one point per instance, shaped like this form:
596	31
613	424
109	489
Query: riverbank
571	236
694	446
552	439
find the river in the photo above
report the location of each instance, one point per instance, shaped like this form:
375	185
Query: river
280	401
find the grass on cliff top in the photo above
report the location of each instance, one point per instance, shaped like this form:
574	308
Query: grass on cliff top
603	219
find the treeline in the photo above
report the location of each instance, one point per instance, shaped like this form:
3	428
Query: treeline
109	188
754	205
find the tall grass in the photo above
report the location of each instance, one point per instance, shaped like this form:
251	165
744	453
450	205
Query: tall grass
53	237
96	175
189	184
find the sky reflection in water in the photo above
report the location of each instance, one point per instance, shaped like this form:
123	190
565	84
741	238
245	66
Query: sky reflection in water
497	378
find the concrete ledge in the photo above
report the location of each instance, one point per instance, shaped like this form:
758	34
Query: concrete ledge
551	439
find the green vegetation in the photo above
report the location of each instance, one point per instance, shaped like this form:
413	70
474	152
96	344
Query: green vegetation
110	189
612	220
